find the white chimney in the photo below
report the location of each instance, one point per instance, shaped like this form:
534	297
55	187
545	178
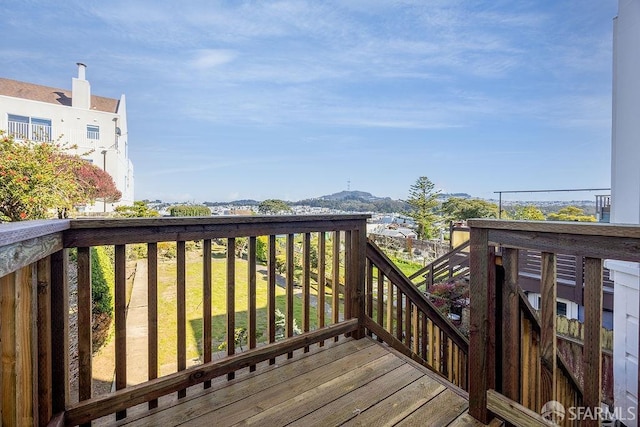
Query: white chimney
81	89
82	68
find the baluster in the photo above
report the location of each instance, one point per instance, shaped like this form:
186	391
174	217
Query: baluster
548	346
181	295
510	325
207	326
231	300
271	293
44	399
152	314
59	330
306	283
251	332
335	299
290	282
322	261
120	308
84	324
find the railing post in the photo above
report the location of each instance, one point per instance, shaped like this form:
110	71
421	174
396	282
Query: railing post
548	345
479	346
59	331
45	398
510	326
358	261
592	335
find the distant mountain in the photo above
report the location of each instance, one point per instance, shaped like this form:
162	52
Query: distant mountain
445	196
355	201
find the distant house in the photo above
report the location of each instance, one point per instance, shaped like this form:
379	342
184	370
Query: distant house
97	125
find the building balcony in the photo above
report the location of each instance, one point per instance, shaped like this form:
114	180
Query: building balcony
371	348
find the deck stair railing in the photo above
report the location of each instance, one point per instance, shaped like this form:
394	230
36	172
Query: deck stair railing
399	314
454	263
513	362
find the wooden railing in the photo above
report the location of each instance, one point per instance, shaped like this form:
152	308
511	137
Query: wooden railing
450	265
514	366
399	314
35	314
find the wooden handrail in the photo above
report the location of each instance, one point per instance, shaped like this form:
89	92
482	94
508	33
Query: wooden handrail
390	270
446	259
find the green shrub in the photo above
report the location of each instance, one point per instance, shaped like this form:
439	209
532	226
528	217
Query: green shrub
262	248
189	210
102	281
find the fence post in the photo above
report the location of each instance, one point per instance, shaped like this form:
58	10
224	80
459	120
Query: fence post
479	343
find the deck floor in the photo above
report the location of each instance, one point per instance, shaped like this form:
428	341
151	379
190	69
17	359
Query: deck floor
346	383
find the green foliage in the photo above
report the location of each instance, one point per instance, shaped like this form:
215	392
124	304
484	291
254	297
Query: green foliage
240	336
189	210
137	251
102	281
459	209
528	213
570	213
281	264
273	206
34	178
137	210
262	248
281	324
423	200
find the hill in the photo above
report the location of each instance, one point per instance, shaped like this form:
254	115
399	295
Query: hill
355	201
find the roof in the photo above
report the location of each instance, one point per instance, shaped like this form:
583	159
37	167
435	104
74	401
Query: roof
52	95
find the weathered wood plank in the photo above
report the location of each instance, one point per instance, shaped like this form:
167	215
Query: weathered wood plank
20	254
152	314
399	405
207	321
548	343
348	275
513	412
359	248
479	321
510	326
20	231
440	411
390	305
341	410
85	373
247	383
592	397
283	408
103	405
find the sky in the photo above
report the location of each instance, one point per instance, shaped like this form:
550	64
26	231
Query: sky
295	99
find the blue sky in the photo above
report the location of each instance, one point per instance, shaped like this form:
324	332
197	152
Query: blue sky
292	99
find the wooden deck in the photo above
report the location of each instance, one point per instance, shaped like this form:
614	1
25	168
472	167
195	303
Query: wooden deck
352	382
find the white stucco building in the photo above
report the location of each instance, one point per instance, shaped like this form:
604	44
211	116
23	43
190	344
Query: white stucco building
97	125
625	200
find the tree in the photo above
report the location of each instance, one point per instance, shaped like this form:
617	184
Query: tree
35	178
137	210
273	206
459	209
570	213
529	213
423	201
91	183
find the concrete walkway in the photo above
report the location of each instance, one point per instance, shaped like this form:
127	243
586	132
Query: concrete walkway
137	330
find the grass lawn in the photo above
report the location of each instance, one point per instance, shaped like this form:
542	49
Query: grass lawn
167	304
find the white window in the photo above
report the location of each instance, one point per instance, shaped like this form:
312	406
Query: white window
93	132
23	127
